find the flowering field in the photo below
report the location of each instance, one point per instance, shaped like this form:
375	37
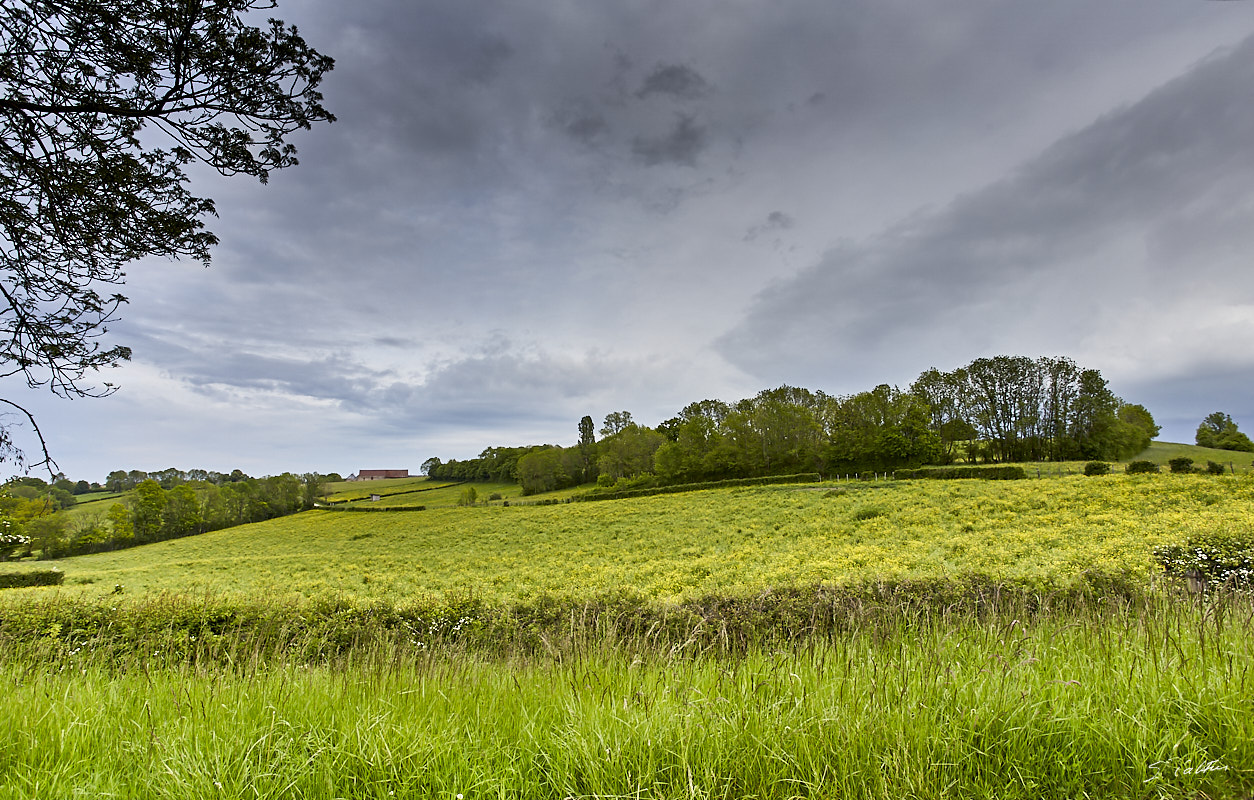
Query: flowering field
209	676
732	541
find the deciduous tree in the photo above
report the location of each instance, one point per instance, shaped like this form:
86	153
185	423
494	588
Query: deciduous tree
87	89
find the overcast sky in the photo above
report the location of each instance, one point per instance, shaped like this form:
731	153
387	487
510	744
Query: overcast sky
531	211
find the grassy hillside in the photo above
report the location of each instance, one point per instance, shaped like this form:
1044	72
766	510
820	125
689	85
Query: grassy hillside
1162	452
675	546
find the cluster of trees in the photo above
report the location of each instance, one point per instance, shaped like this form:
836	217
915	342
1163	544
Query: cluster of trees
124	480
1219	431
151	513
1013	408
61	493
994	410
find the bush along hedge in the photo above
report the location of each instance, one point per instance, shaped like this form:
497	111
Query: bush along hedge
1096	468
1181	465
805	477
370	508
1141	468
1223	559
38	577
979	473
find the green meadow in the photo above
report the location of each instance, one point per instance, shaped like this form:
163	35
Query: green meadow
1044	533
862	639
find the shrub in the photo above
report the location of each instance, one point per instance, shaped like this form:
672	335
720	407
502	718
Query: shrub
468	497
1214	468
1182	464
1141	468
494	496
39	577
1097	468
1222	558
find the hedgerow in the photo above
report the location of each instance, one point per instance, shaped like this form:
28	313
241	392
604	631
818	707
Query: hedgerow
1010	473
769	480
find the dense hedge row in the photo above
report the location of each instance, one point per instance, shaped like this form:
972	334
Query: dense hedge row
225	631
981	473
805	477
38	577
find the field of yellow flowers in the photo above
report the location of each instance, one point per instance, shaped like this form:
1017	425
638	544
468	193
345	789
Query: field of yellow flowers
732	541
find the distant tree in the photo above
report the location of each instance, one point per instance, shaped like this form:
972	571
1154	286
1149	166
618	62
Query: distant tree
313	489
117	481
147	507
1219	431
120	525
542	471
615	422
629	452
181	515
587	449
82	487
430	466
168	477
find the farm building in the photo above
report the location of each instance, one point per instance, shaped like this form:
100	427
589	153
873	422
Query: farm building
379	474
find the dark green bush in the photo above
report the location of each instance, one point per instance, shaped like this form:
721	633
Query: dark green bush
1215	468
39	577
1182	464
1097	468
1141	468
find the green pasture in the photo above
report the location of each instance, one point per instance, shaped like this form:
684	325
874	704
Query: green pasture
432	494
340	491
1162	452
674	546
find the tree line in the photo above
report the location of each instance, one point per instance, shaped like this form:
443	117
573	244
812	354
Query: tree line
121	480
1000	409
152	513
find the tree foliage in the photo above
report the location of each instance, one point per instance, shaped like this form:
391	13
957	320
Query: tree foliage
84	186
1006	408
1219	431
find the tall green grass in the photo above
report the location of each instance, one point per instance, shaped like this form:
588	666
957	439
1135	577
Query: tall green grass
1136	696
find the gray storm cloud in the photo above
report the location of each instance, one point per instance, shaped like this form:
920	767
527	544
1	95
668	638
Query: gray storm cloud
652	209
1122	216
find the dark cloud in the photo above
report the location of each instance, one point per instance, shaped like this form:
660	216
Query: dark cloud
583	123
1067	243
681	146
676	80
776	221
507	172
